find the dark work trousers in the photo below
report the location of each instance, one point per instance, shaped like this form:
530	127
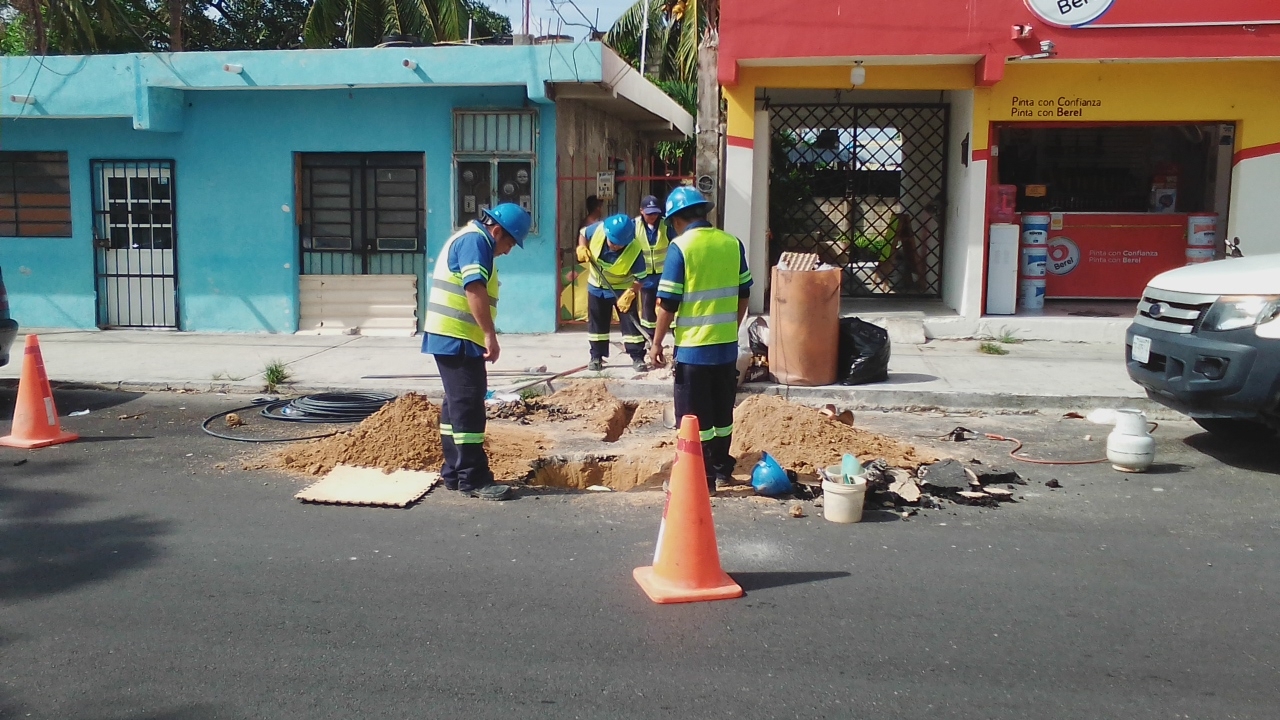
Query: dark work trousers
708	391
462	422
600	317
649	308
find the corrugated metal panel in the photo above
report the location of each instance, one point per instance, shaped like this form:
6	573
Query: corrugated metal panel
493	132
358	304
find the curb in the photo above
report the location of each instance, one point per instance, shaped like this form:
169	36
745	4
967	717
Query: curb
866	398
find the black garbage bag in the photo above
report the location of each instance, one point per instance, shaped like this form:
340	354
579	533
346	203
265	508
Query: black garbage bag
758	337
863	352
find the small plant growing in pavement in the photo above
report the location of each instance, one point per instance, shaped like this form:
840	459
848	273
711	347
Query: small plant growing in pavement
990	348
276	374
1009	337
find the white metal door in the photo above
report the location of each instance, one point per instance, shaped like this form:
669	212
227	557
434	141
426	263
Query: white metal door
136	242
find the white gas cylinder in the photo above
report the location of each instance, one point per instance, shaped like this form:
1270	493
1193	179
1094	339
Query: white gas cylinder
1130	447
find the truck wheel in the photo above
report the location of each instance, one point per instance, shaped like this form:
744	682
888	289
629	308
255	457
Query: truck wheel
1236	429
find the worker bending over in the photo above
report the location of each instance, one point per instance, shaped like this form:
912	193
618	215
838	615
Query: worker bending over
703	294
616	266
651	231
460	334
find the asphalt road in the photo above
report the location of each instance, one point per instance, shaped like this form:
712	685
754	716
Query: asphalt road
138	580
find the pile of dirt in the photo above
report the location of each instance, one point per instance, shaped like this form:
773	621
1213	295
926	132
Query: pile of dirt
647	412
591	399
804	440
405	434
527	412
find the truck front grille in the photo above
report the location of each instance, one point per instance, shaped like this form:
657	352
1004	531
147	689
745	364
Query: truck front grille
1172	311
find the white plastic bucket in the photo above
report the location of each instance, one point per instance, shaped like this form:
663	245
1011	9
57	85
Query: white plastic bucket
1196	255
843	503
1202	231
1035	261
1031	294
1036	221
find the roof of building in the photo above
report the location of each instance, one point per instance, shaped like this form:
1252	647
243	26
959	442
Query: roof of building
150	87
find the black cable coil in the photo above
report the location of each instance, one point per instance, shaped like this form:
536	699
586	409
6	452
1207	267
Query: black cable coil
328	407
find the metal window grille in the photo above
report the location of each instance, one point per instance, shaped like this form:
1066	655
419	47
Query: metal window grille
495	161
863	186
135	243
35	194
361	213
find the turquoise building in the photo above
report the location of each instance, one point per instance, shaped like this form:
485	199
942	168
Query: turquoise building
308	190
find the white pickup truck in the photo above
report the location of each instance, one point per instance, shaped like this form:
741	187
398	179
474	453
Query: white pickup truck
1206	342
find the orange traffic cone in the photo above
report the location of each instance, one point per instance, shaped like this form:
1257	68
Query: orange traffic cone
686	563
35	419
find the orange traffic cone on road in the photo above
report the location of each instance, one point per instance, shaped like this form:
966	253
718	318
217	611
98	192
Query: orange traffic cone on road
686	564
35	419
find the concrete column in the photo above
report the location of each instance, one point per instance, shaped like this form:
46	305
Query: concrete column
758	247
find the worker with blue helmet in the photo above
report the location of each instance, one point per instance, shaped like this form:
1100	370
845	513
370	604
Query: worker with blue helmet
460	333
615	268
702	298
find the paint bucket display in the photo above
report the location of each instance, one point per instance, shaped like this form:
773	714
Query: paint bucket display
1035	228
1202	231
1197	255
1035	261
1031	295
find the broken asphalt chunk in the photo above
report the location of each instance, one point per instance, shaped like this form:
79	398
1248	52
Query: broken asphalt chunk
947	476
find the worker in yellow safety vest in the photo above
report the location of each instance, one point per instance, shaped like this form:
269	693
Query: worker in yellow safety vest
703	295
653	233
615	268
461	309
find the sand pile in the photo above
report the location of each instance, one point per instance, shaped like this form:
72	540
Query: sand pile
804	440
592	400
405	434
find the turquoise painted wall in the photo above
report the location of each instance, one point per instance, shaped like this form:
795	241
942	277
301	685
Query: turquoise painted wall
237	245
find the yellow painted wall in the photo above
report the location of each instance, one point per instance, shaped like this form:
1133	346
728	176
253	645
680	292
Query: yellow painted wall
1244	92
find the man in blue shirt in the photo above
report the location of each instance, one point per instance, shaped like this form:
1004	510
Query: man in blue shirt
616	267
703	294
657	234
460	334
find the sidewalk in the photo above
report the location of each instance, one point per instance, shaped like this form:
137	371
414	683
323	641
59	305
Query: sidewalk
948	374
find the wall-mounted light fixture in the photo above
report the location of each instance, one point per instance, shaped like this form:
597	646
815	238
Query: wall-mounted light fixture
23	99
858	75
233	69
409	64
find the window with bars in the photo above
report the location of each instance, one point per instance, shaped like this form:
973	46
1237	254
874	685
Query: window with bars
494	161
133	204
361	202
35	194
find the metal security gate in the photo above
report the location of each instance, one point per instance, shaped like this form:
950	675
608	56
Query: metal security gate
135	243
863	186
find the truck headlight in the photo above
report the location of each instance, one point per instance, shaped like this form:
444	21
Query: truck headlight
1233	312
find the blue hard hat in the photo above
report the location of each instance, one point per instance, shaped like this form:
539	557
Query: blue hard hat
512	218
768	477
619	229
685	197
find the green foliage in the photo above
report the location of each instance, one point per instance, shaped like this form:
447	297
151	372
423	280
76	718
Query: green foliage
275	374
685	93
990	348
364	23
16	38
790	188
487	23
676	28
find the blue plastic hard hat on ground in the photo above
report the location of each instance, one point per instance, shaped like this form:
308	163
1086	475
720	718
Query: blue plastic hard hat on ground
619	230
768	477
512	218
685	197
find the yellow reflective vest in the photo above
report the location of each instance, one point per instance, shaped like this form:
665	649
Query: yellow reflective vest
655	256
708	312
617	274
448	313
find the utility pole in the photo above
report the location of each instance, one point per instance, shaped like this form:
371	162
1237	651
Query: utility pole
644	38
175	25
707	155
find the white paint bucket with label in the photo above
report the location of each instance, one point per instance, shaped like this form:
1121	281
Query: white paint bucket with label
1197	255
1035	261
1202	231
1031	295
1035	228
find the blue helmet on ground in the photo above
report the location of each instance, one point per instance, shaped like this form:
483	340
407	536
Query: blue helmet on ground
768	477
685	197
619	230
512	218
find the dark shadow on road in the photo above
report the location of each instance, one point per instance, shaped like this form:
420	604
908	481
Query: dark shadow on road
69	400
870	515
764	580
112	438
42	553
897	378
1254	457
1167	469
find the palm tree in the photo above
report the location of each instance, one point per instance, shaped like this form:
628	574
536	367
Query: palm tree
676	28
364	23
78	25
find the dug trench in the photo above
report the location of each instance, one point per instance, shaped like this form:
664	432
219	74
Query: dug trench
583	437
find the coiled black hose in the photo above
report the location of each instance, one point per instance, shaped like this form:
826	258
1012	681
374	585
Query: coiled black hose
318	408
